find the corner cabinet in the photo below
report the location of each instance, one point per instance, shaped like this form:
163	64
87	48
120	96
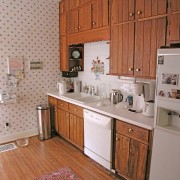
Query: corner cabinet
132	151
138	28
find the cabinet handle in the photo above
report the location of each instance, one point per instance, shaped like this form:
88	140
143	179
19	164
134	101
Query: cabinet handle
130	130
139	12
130	69
138	70
131	14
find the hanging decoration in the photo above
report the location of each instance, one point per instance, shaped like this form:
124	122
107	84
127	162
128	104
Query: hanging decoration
15	71
97	68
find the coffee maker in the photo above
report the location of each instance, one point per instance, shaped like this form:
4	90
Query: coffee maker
143	97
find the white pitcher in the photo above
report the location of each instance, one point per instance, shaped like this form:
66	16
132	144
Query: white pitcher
61	86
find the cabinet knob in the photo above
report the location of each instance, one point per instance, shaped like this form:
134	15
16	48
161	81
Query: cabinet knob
93	23
117	139
130	69
138	69
139	12
75	28
75	109
130	130
61	104
55	110
79	27
131	14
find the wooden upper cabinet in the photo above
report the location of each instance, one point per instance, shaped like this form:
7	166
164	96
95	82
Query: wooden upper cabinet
63	24
63	7
122	49
149	8
99	13
84	18
150	35
80	19
174	21
122	11
73	21
174	6
64	65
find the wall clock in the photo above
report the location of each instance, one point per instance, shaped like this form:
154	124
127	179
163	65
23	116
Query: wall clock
76	54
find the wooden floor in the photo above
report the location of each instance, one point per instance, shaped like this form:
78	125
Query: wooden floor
41	157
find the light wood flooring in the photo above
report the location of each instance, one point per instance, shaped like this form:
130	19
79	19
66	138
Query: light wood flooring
41	157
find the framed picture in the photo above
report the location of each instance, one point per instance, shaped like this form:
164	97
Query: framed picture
171	79
175	93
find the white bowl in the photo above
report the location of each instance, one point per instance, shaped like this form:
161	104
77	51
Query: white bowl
22	142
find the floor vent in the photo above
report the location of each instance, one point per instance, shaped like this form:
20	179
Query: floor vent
7	147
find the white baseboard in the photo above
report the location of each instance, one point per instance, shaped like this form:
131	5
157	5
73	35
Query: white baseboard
15	136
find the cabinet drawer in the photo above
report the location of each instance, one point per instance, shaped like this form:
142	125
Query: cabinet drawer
76	110
52	101
62	104
132	131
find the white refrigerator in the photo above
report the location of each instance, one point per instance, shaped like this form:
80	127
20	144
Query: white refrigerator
165	162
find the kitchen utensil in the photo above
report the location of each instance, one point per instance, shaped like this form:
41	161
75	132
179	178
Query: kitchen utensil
61	87
148	109
116	96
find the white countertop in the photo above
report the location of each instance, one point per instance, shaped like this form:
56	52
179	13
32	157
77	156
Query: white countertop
115	111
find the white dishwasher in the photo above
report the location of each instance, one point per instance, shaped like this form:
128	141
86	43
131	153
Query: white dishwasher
98	134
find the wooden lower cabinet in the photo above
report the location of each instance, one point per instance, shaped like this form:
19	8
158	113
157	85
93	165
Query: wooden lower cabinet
71	123
131	155
77	130
63	123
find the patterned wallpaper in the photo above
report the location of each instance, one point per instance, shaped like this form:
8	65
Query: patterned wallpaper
28	29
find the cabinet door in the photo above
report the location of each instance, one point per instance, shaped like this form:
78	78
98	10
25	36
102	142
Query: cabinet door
63	6
63	24
174	6
174	29
84	18
137	160
73	21
122	154
63	122
150	35
100	14
122	11
56	119
148	8
77	130
122	49
64	65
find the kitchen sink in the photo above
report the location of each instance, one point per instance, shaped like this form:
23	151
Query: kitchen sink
81	97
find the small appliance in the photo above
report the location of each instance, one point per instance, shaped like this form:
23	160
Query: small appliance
61	86
116	96
148	109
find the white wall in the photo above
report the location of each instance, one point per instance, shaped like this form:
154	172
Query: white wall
29	29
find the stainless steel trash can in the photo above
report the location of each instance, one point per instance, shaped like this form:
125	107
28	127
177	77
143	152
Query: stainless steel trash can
44	122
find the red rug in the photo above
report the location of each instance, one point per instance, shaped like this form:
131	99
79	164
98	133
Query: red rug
60	174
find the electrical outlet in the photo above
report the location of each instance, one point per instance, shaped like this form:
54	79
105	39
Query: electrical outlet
6	125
